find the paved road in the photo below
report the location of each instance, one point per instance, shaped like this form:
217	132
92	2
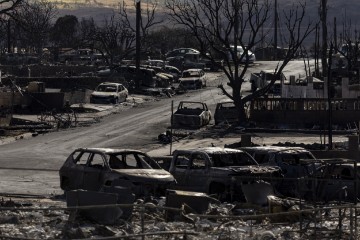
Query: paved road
137	128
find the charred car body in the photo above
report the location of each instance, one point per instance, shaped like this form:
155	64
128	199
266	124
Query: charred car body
335	180
93	168
244	56
109	93
295	162
225	112
219	171
193	79
191	114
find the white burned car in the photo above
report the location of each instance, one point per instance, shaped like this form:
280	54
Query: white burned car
109	92
193	79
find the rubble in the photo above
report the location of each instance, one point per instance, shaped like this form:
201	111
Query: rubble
51	219
190	202
80	198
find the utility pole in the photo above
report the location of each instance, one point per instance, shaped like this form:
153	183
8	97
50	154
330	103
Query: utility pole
323	17
276	31
138	47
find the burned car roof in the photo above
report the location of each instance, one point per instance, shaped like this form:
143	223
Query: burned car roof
212	150
222	156
276	149
109	150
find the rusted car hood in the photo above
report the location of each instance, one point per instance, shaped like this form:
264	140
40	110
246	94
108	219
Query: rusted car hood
149	175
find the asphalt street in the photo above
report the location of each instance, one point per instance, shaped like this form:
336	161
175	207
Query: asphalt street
30	165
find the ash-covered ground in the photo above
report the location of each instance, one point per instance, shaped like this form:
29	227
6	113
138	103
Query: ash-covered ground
46	218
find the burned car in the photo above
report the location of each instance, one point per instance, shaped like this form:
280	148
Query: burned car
93	168
108	92
219	171
225	112
335	180
287	158
173	71
191	114
193	79
295	162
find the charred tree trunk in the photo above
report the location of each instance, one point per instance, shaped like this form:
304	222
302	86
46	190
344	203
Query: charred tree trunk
239	103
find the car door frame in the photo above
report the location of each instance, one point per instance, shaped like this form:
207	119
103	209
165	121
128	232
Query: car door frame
93	177
198	178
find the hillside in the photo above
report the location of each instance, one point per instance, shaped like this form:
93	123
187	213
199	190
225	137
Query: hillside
99	9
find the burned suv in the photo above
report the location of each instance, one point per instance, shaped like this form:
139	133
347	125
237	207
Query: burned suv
92	168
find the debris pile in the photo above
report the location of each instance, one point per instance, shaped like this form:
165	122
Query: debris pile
42	219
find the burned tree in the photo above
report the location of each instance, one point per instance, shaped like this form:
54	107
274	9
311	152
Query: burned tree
6	8
116	37
113	39
347	51
87	27
64	33
230	28
148	20
33	20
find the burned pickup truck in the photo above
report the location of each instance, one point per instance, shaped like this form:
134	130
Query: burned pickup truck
191	115
295	163
222	172
336	179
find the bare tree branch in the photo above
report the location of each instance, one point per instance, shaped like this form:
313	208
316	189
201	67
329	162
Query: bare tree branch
114	39
35	20
221	25
147	20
